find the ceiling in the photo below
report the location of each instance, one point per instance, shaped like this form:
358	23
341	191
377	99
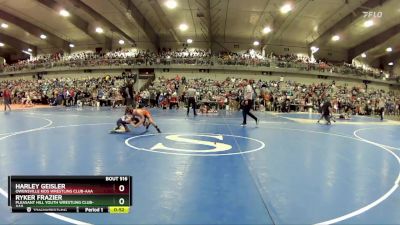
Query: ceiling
150	22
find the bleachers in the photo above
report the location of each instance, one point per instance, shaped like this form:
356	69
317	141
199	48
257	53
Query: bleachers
194	60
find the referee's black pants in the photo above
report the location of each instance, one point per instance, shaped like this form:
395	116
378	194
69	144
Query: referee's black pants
246	111
381	110
191	101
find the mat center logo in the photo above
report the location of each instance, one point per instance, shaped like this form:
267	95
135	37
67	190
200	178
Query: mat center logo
195	144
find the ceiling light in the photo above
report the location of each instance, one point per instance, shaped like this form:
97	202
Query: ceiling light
99	30
266	30
286	8
171	4
189	41
389	49
256	43
4	25
368	23
363	55
28	53
29	50
183	27
64	13
335	38
121	42
71	45
42	36
314	49
1	44
390	64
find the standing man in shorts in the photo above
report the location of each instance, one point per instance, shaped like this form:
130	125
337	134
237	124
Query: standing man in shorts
7	99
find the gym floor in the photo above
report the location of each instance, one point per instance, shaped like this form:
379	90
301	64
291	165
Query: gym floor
210	170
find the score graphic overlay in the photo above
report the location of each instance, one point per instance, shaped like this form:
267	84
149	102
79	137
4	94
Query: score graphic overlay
75	194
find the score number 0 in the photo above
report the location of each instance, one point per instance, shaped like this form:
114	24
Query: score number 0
121	188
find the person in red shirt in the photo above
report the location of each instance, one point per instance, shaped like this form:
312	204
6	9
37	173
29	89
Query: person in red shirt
7	99
173	101
72	96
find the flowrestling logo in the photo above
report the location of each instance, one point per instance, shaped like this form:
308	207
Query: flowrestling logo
195	144
373	14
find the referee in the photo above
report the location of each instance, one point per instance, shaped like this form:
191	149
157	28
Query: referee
381	107
248	102
327	110
191	100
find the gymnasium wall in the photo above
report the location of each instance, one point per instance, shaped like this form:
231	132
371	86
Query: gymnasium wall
396	69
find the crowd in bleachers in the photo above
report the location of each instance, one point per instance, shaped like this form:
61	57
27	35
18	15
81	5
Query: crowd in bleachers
69	91
191	57
281	96
114	58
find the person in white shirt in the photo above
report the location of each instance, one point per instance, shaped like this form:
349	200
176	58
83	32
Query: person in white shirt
191	100
381	107
248	102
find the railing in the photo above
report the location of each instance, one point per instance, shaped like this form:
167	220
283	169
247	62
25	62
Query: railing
210	62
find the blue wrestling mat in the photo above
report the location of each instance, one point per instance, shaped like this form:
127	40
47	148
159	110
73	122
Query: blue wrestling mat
209	169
